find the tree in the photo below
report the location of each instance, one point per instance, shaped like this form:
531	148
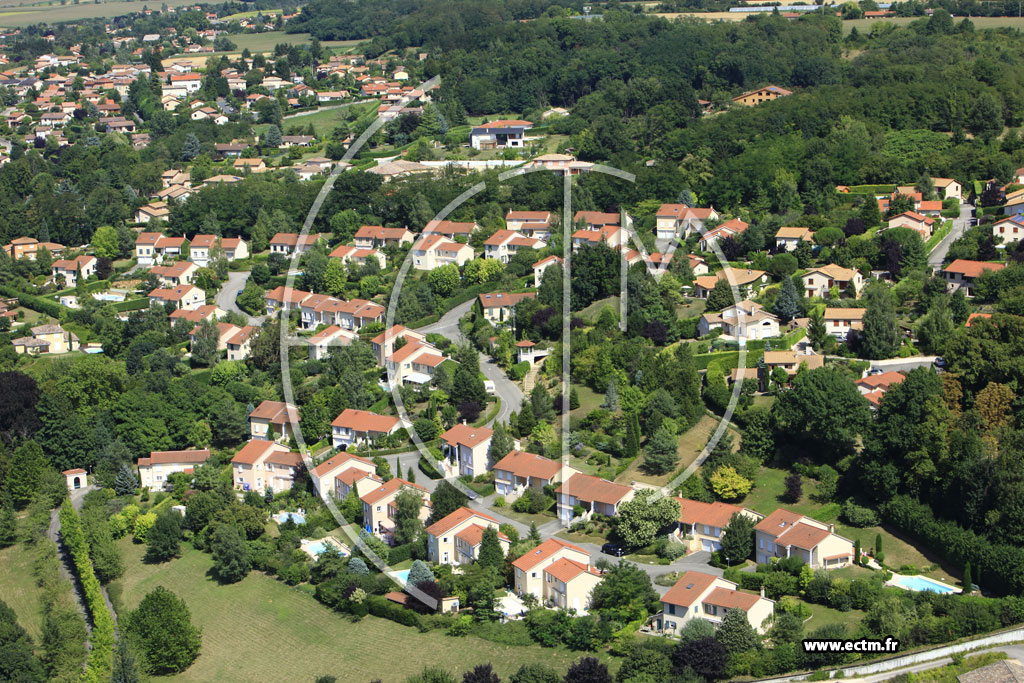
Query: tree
491	553
588	670
626	594
631	443
26	469
8	521
611	399
729	485
645	663
645	517
445	500
408	526
419	572
856	552
534	533
738	538
230	555
126	668
817	332
787	305
164	538
535	673
968	586
794	489
661	455
125	484
106	243
444	280
706	656
881	335
271	138
17	662
878	543
252	298
736	633
501	443
191	148
720	297
823	413
161	626
481	673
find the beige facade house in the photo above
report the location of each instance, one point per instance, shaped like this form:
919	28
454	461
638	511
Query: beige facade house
435	250
450	229
765	94
915	221
528	569
504	244
175	274
519	471
697	595
729	229
46	339
1008	230
594	495
342	471
69	269
819	281
465	449
371	236
497	307
456	538
704	523
356	427
540	266
26	248
790	361
789	238
947	188
568	584
379	511
239	344
533	223
747	319
261	465
235	248
273	414
154	470
414	363
288	243
383	344
320	344
787	534
153	247
188	297
748	282
840	321
675	221
359	255
963	273
612	235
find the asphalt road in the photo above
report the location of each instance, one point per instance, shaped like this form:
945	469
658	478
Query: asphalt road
960	225
225	298
290	117
508	391
904	364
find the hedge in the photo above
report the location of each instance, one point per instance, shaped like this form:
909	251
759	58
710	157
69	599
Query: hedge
35	303
381	607
428	468
100	663
1001	566
131	305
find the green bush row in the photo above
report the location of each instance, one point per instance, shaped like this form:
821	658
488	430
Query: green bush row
99	665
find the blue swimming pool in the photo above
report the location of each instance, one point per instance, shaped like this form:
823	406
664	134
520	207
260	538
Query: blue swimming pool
317	547
296	517
920	583
403	575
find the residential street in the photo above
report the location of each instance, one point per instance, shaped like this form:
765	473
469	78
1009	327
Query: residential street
225	298
960	225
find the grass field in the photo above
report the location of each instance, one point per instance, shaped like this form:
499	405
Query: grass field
325	121
23	14
898	550
257	42
261	630
825	616
250	15
18	588
979	22
690	445
593	311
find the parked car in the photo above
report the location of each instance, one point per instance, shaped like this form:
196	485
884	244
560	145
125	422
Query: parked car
613	549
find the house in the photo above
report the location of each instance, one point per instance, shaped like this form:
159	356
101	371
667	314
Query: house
727	230
262	465
288	243
225	331
820	280
26	247
594	495
787	534
456	538
239	343
283	298
358	256
70	268
612	235
451	229
962	274
947	188
528	569
595	220
790	238
413	363
675	221
379	507
873	387
318	309
383	344
748	282
931	208
519	471
465	449
839	321
568	584
504	244
200	249
697	595
765	94
243	165
540	266
342	472
702	524
155	470
499	134
320	343
152	211
747	320
180	296
434	251
370	236
915	221
273	419
234	248
355	427
178	273
46	339
498	307
197	315
152	247
698	266
790	361
532	222
1008	230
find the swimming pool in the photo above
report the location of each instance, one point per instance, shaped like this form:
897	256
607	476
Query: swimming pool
296	517
920	583
317	547
403	575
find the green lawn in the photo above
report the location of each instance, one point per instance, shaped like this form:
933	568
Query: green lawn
589	400
18	588
690	445
261	630
591	312
324	122
825	616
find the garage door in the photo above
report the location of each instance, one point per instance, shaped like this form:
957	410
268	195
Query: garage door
710	545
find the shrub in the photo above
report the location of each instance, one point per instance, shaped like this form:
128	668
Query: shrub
143	525
858	515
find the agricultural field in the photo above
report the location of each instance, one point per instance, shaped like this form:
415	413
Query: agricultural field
17	14
979	22
262	630
18	588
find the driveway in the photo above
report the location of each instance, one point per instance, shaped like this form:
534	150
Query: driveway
508	391
225	298
904	364
960	225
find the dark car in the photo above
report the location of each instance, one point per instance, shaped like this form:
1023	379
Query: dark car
613	549
939	362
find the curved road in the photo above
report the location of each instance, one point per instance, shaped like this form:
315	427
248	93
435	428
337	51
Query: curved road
225	298
508	391
960	225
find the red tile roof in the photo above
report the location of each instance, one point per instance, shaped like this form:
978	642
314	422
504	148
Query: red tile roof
456	518
467	436
365	421
566	570
588	488
969	268
523	464
533	557
731	599
688	588
388	488
715	514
